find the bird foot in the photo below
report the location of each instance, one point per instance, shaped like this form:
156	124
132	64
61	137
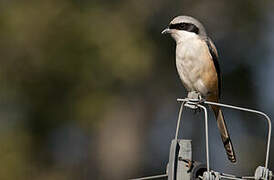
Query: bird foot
194	96
193	99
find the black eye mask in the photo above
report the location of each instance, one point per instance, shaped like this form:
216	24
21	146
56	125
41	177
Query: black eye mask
185	27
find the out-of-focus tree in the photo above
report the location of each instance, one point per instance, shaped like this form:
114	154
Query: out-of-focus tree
88	88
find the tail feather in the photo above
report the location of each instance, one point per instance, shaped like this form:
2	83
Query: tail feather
224	133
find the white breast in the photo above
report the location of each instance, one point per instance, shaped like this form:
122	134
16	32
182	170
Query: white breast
191	64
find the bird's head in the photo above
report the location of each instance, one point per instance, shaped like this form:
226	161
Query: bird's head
183	27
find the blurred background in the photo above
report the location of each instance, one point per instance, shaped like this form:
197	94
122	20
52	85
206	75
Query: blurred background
89	88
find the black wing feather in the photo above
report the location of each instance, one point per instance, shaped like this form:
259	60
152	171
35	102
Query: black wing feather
215	58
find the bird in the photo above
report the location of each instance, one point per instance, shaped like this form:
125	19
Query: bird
197	63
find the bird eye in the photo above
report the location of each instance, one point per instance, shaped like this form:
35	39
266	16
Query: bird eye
178	26
181	26
185	27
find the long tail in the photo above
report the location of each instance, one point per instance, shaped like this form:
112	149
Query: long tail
224	133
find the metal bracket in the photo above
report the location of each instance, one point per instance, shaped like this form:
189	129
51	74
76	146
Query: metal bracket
180	159
200	103
181	166
211	175
263	173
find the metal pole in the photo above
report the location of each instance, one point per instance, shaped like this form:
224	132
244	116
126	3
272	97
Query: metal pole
229	177
252	111
206	134
151	177
179	121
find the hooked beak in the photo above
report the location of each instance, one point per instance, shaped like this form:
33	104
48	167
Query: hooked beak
166	31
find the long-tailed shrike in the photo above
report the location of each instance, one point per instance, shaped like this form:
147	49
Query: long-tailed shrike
198	67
